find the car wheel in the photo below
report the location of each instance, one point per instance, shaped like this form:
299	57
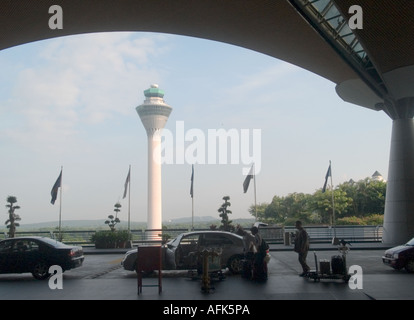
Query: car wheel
41	270
409	266
235	264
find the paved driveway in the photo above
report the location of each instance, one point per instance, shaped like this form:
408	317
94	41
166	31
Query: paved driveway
102	278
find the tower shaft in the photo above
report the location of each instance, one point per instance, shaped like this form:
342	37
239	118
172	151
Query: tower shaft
154	113
154	182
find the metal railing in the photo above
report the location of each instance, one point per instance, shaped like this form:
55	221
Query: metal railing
275	235
349	233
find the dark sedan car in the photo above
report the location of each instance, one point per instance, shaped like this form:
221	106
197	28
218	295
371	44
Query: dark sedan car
180	253
400	257
36	255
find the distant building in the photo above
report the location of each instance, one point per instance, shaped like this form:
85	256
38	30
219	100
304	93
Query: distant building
377	177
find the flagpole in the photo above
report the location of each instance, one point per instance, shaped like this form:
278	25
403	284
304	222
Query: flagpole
251	175
333	203
192	198
254	179
192	213
60	206
129	201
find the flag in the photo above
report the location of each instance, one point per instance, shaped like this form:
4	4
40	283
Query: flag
328	174
192	181
127	183
55	188
247	180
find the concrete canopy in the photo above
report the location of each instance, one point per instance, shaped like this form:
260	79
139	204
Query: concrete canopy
274	28
271	27
387	38
388	32
267	26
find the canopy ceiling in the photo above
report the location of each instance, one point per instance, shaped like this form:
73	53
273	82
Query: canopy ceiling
277	28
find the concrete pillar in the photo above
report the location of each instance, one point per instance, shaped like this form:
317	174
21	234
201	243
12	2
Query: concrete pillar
399	201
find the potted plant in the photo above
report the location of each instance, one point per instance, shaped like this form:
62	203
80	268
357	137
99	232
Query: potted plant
122	238
106	239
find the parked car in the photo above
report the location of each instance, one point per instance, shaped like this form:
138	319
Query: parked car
400	257
181	252
36	255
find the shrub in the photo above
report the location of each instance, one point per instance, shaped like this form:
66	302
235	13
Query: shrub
350	221
374	219
110	239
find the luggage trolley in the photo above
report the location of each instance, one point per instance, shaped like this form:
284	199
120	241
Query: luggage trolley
208	267
335	269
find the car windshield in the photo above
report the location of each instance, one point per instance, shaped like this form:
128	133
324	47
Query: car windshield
410	243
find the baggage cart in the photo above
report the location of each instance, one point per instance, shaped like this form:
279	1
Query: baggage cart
336	269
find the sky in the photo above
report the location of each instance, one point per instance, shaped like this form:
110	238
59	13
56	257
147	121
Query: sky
70	102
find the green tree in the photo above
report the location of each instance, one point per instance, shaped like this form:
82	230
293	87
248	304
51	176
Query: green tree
224	215
117	210
274	212
294	206
350	188
368	197
297	205
112	221
261	211
322	204
374	201
11	222
277	210
353	200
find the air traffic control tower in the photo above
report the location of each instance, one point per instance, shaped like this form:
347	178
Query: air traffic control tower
154	113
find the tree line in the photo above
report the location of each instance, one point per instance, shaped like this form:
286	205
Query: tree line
355	203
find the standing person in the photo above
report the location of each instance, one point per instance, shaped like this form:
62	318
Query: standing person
302	247
254	241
